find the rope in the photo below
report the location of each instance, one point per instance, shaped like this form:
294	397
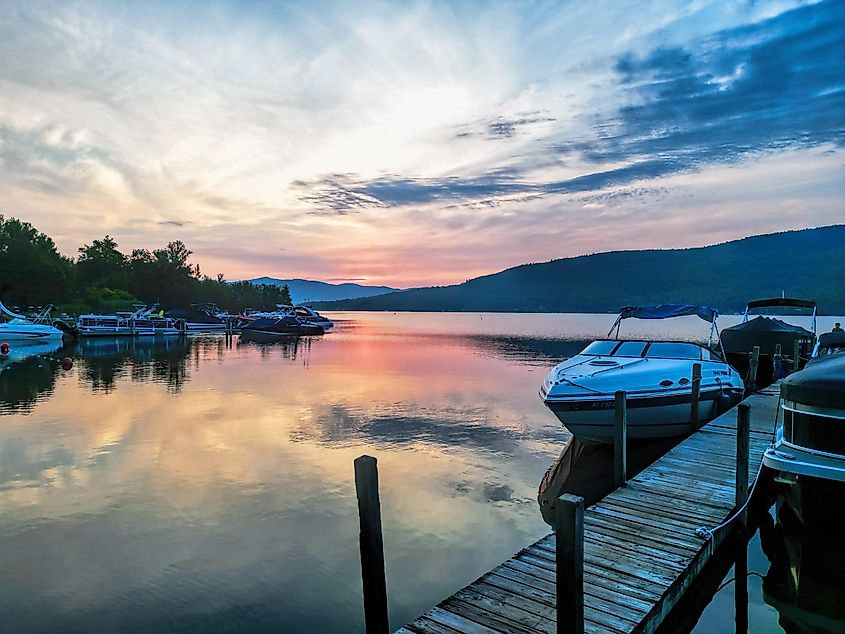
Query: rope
707	533
750	573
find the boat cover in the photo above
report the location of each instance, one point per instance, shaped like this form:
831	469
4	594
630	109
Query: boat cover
664	311
821	383
767	324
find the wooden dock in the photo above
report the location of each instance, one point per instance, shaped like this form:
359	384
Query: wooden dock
642	546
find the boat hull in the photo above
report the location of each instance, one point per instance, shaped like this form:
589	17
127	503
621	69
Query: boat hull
30	332
592	420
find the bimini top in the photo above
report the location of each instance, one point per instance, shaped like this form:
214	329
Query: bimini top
781	301
664	311
821	383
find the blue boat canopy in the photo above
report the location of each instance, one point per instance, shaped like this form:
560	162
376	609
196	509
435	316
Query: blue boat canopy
664	311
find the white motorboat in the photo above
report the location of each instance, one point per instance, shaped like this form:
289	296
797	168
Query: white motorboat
656	376
15	327
309	315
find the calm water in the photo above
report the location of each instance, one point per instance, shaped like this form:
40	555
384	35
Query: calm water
207	484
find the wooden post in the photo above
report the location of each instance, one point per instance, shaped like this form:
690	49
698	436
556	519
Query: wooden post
569	550
743	437
372	546
696	393
620	440
752	370
796	355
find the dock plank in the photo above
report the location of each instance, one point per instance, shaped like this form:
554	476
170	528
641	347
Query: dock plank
641	549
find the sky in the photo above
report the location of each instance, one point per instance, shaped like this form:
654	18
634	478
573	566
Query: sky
419	143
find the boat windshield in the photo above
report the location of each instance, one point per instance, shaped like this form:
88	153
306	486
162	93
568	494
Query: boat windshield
667	350
600	347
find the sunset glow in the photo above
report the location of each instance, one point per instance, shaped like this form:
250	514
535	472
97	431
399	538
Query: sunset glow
418	143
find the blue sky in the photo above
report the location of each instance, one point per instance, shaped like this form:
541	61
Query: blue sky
419	142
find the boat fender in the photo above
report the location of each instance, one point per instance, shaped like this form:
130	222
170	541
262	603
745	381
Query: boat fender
4	348
67	363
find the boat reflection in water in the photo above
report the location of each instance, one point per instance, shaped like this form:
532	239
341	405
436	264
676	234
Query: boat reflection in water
587	470
28	373
805	582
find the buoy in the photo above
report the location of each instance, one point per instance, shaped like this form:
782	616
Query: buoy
4	348
67	363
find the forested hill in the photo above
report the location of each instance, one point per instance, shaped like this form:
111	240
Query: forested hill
809	263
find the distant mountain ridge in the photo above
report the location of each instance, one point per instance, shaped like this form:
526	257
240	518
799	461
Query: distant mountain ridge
807	263
313	290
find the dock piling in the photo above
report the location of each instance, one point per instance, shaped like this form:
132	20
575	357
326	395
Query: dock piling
372	545
752	369
569	563
620	439
743	439
796	355
696	392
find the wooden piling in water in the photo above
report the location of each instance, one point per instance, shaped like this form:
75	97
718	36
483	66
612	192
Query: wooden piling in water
569	564
696	393
743	439
620	439
372	545
796	355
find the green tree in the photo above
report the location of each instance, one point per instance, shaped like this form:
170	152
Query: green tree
101	265
32	271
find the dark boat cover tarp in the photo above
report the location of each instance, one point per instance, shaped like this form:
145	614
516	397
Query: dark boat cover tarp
821	383
664	311
765	332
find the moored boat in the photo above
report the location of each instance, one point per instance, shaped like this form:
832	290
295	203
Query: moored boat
657	377
16	327
808	456
773	336
311	316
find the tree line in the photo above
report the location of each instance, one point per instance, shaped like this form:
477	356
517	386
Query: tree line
102	278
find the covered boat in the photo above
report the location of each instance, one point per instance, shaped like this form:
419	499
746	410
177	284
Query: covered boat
657	377
772	335
201	317
15	327
282	325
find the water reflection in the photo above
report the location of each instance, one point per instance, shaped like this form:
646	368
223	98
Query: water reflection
806	577
27	374
587	471
207	483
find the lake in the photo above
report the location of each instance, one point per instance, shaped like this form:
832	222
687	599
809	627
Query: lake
206	484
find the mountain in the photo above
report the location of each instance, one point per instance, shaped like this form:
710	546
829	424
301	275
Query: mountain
312	290
808	263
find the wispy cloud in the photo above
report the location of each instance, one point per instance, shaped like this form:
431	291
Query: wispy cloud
342	134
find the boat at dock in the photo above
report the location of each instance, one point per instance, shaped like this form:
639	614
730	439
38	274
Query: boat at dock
657	377
775	337
16	327
311	316
808	455
279	326
145	321
201	318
